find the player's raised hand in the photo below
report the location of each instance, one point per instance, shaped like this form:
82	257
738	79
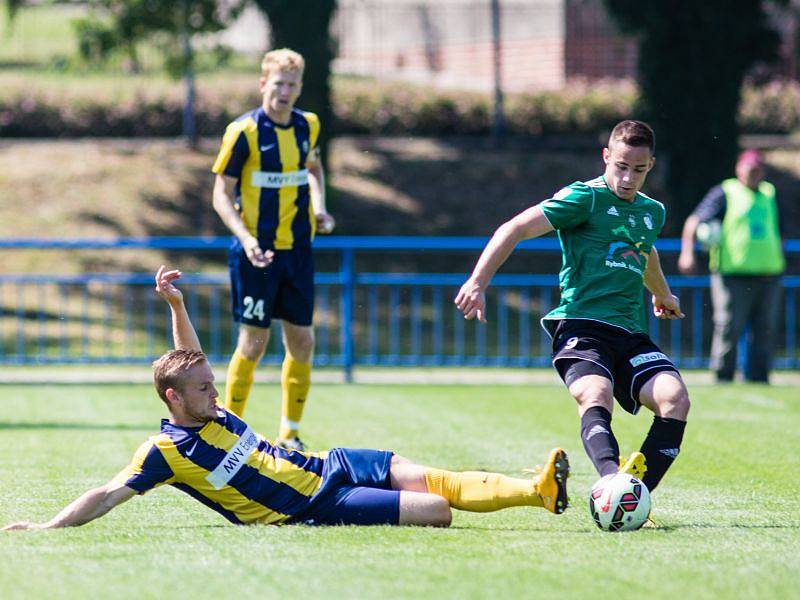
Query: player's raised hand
668	307
257	257
325	222
471	301
165	286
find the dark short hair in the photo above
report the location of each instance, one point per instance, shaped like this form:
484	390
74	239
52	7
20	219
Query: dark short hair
169	371
633	133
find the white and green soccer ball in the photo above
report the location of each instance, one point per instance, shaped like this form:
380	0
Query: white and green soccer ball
709	233
619	502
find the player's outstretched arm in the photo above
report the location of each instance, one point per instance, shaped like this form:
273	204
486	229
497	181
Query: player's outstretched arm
90	506
233	221
665	304
471	298
183	333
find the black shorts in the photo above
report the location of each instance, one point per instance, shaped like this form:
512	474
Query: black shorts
584	347
283	290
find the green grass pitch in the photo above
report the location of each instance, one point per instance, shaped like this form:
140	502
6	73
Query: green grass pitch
730	508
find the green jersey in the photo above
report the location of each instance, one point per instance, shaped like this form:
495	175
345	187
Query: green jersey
605	243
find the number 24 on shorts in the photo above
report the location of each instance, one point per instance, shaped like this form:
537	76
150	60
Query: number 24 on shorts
253	308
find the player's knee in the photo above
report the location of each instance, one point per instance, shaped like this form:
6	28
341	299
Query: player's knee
300	345
253	343
440	513
682	404
592	391
400	460
674	404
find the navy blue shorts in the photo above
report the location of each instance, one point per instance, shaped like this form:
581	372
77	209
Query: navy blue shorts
283	290
356	491
584	347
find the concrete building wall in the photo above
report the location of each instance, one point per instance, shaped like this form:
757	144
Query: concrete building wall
448	43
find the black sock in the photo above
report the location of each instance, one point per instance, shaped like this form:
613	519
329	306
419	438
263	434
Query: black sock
661	448
599	441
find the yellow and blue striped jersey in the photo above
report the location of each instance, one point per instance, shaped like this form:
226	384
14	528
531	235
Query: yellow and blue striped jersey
269	163
229	468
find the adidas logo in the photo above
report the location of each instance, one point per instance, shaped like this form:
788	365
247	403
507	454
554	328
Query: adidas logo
613	211
595	430
671	452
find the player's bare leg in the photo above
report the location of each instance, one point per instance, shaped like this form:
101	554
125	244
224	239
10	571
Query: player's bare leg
418	508
250	348
298	340
666	395
595	397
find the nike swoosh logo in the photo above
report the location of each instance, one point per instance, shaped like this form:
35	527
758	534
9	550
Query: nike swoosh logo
265	148
191	450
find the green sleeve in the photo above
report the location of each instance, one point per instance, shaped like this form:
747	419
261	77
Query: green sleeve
569	207
663	218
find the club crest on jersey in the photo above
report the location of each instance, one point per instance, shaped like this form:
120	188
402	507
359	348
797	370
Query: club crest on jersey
648	221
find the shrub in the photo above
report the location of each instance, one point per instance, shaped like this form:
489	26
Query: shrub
770	108
360	107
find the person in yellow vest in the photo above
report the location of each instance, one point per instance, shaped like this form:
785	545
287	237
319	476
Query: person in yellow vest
746	263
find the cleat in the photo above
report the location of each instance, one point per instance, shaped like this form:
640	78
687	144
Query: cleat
650	524
291	444
636	465
551	484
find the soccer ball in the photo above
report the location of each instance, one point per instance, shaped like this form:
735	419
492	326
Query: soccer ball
619	502
709	233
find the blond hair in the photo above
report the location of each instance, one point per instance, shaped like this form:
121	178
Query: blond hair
170	370
282	59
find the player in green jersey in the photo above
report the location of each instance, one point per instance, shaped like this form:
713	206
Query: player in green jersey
607	229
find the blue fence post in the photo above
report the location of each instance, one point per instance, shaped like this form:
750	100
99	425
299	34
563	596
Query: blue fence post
348	275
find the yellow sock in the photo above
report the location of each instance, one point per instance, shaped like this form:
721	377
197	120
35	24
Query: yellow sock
477	491
295	382
240	380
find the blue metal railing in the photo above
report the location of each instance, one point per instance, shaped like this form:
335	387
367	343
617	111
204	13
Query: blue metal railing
362	318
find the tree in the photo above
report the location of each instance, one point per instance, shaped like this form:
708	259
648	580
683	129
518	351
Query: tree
303	26
127	22
693	57
12	6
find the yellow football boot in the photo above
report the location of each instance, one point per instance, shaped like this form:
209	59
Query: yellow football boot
551	483
636	465
650	524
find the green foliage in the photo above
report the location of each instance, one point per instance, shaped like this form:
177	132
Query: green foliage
359	107
693	57
12	7
770	108
96	39
123	24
